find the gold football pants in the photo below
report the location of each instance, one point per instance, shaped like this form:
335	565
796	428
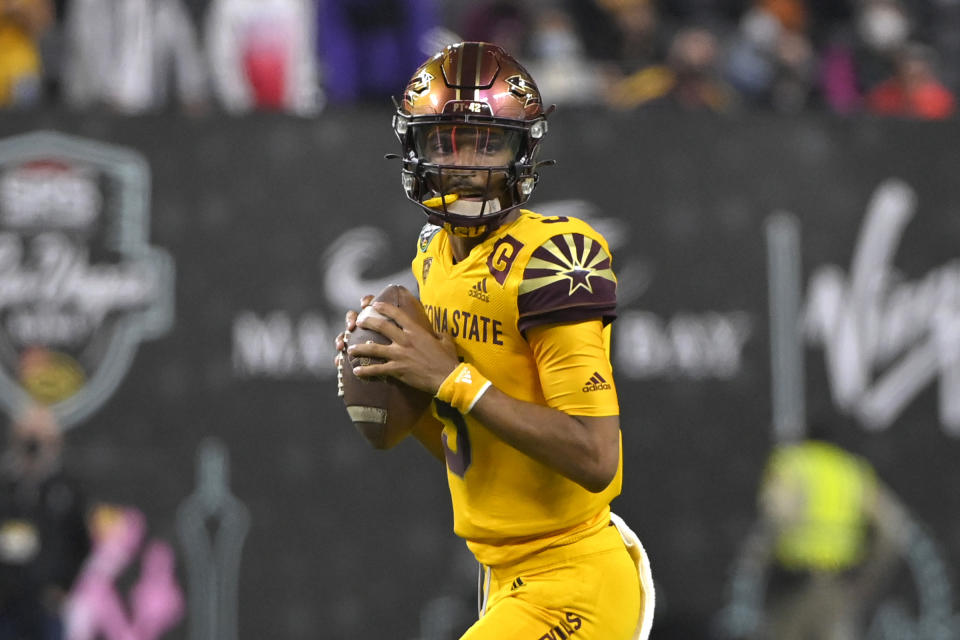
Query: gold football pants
586	590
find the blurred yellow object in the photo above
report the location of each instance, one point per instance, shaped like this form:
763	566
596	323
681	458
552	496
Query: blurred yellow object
818	496
439	201
104	519
50	376
19	61
19	541
620	5
646	85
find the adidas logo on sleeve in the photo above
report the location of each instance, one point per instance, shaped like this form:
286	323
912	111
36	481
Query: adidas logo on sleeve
596	383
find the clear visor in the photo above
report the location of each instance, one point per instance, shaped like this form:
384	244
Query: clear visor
467	145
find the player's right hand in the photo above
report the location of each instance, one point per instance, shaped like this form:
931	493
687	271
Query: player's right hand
350	323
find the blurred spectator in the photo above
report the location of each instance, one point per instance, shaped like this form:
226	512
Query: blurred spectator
625	33
641	39
501	22
857	58
771	60
367	47
690	79
827	17
859	54
883	29
556	57
22	24
43	535
687	12
839	84
120	54
943	33
51	53
914	91
293	55
791	14
262	55
831	534
98	608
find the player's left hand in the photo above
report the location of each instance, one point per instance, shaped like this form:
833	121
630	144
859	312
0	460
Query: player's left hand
415	355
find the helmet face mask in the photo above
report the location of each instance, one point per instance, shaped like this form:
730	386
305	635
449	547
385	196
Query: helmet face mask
469	123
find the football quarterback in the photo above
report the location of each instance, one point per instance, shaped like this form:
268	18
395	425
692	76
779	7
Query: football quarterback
525	412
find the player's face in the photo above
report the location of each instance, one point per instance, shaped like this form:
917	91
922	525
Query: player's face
473	147
468	145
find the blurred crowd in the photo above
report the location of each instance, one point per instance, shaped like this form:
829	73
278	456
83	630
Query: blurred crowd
886	57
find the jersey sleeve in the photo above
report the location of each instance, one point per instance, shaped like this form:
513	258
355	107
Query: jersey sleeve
573	362
568	278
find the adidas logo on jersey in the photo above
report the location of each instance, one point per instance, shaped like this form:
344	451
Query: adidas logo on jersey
596	383
479	291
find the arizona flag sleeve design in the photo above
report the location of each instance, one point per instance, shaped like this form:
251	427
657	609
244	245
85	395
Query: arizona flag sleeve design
568	278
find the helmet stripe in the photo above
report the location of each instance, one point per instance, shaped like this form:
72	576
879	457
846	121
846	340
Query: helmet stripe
469	68
476	73
459	81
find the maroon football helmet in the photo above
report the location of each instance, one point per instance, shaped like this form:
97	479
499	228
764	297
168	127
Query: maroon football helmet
470	122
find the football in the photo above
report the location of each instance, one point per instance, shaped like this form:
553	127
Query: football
384	410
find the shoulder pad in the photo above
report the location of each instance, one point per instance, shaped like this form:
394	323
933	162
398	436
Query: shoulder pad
568	277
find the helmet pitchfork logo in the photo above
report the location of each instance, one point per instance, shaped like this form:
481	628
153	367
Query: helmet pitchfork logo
80	287
524	90
419	86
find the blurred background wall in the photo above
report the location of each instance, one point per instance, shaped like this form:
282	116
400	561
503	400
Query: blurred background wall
255	234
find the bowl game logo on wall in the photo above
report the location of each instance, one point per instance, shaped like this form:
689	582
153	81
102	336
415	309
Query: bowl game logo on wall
80	286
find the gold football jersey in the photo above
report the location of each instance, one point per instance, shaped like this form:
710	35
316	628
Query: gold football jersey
533	271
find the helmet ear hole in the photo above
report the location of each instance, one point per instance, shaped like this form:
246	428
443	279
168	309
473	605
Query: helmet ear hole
538	129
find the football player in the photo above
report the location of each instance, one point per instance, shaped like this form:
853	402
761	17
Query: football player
525	414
